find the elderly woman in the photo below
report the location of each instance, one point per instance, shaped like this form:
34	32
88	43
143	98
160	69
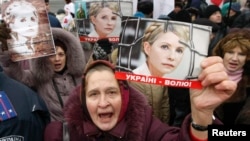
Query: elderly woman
104	108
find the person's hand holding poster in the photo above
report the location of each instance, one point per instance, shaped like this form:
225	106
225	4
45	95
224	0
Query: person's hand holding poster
162	52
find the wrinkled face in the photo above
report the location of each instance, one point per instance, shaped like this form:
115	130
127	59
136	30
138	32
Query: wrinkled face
58	61
234	60
28	20
216	17
104	22
103	99
165	54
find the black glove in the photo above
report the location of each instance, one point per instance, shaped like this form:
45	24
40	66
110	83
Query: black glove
4	35
101	49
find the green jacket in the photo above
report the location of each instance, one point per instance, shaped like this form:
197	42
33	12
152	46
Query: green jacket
157	98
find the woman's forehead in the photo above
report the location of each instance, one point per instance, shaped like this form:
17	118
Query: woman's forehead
103	78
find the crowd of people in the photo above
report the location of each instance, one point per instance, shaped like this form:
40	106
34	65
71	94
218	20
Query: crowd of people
70	97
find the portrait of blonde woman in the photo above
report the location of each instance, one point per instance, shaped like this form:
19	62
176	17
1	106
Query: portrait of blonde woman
22	17
104	19
163	46
30	29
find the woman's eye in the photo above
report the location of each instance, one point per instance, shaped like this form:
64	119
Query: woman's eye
242	54
164	46
114	18
179	51
93	94
112	92
61	54
104	17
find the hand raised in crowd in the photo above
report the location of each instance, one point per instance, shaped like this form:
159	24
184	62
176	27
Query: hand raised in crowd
216	89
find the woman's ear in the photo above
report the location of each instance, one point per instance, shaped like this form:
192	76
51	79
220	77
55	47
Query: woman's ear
146	48
92	19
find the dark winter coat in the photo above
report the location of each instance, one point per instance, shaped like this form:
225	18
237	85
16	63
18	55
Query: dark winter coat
243	20
32	113
236	109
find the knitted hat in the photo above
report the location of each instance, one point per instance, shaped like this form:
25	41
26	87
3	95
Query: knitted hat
235	6
210	10
224	8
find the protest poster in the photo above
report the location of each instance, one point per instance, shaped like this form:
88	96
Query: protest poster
161	52
31	35
97	19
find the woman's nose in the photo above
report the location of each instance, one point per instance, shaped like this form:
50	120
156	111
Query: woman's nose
56	57
103	102
171	55
235	56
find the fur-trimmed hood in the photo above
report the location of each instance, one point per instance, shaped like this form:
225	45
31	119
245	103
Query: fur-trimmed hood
75	57
135	116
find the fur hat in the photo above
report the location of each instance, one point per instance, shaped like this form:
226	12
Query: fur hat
210	10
